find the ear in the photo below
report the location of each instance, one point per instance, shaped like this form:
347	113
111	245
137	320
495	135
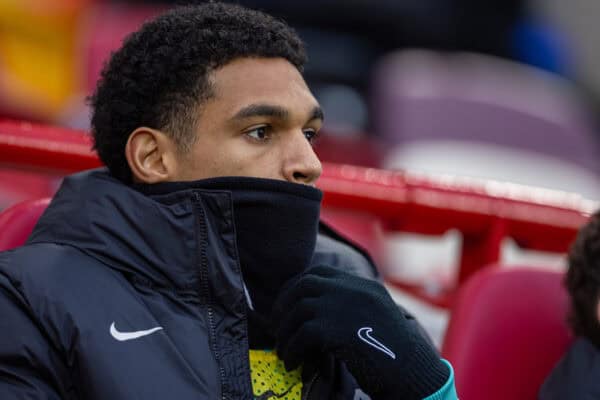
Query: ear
150	155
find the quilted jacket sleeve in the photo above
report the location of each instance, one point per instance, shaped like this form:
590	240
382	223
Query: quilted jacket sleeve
30	367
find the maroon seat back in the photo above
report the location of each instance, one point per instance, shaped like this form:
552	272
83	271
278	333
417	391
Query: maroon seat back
507	331
426	96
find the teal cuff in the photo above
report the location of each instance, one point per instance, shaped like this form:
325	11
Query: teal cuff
448	391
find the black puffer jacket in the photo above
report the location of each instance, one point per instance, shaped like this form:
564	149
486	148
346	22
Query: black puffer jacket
119	295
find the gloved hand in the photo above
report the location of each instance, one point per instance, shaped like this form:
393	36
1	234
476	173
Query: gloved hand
354	319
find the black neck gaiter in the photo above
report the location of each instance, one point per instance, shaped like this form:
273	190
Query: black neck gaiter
276	229
276	226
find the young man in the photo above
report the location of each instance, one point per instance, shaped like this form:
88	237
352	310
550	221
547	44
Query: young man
193	268
576	375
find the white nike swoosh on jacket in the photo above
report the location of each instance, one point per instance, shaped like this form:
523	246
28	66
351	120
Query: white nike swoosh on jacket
122	336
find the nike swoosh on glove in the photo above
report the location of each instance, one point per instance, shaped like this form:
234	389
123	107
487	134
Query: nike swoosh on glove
355	319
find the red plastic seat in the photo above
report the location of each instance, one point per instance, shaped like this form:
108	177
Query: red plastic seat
507	331
17	222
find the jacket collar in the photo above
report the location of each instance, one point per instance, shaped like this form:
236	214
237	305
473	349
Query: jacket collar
152	236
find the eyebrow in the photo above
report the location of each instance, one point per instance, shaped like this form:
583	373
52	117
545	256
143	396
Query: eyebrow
269	110
317	113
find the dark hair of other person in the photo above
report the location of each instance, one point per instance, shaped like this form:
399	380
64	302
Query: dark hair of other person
583	281
161	75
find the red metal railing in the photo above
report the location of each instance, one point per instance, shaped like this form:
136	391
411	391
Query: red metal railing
485	212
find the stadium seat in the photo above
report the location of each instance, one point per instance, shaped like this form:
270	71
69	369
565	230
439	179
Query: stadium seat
18	186
17	222
507	330
476	115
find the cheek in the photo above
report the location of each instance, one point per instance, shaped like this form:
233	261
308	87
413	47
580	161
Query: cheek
261	164
241	159
212	158
259	161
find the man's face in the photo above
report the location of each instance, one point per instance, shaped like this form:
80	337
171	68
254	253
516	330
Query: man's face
259	123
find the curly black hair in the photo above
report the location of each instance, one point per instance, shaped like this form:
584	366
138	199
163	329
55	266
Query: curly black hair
583	281
160	75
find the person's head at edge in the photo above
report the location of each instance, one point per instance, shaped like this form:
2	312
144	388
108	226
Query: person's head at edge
583	281
207	91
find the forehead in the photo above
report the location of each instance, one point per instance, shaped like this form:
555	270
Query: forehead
261	80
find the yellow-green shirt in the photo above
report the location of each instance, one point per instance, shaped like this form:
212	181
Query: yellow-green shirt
270	379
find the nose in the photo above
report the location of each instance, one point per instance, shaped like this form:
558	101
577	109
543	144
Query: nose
301	164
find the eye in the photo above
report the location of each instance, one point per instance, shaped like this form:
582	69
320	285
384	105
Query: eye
311	135
259	134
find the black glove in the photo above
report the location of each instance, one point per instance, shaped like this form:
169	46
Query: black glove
356	320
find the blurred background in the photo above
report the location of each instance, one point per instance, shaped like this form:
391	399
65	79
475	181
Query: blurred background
507	90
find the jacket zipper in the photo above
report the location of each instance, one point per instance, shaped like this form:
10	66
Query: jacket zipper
205	290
